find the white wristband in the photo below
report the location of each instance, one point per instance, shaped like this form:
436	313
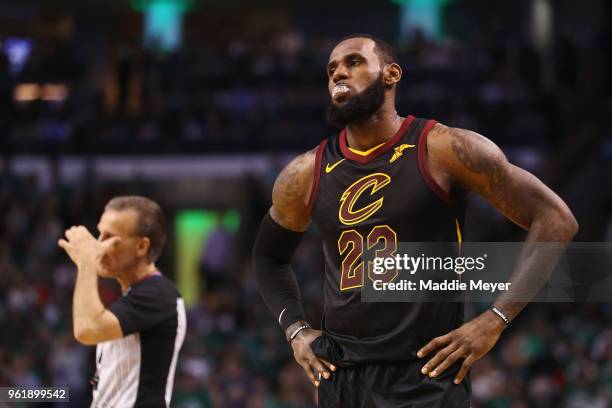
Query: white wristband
500	314
295	333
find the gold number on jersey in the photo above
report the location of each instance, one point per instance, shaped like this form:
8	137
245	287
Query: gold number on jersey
381	239
351	242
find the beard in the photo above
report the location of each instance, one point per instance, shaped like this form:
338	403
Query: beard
358	108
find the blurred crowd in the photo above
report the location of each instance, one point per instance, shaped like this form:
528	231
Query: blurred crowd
235	356
269	93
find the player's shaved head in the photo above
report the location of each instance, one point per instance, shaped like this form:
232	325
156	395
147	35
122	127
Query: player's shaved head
383	49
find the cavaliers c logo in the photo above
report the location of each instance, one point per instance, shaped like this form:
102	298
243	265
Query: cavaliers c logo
350	216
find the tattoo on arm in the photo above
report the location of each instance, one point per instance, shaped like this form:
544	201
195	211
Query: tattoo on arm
291	192
491	168
287	188
479	165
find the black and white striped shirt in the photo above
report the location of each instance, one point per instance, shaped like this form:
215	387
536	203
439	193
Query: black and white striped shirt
138	369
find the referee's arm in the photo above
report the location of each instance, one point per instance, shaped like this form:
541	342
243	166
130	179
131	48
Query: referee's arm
92	322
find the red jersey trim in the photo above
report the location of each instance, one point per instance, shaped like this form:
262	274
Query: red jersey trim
424	169
317	175
388	144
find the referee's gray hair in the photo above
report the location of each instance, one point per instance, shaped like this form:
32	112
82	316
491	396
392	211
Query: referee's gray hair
151	221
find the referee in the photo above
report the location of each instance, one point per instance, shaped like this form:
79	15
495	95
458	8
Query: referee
139	336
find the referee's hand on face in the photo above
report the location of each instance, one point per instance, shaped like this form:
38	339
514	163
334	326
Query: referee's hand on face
83	247
305	357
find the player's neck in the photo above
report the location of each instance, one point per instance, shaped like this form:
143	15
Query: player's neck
379	128
135	274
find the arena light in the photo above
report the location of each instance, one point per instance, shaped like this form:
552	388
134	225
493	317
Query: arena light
17	51
542	24
54	92
424	15
26	92
163	22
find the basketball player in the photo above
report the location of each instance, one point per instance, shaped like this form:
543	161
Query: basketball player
139	336
384	179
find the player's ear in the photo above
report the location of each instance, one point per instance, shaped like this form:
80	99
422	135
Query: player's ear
392	73
143	247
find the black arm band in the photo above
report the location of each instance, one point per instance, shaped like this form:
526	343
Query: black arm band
272	253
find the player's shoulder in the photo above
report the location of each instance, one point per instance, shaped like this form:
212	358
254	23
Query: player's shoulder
439	139
439	132
454	139
304	163
456	152
295	178
292	190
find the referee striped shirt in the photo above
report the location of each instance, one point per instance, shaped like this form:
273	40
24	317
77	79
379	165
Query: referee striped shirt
138	369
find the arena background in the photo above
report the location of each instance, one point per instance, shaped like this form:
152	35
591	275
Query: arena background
199	104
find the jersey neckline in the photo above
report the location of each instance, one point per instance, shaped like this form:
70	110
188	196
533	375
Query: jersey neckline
347	153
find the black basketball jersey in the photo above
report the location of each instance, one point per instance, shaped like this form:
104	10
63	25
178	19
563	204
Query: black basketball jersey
372	202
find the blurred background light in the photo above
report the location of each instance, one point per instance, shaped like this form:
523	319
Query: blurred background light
54	92
29	92
193	229
542	24
26	93
163	22
421	15
17	51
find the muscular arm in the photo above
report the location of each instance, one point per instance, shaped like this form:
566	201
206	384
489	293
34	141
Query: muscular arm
278	238
276	242
462	159
291	193
465	159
